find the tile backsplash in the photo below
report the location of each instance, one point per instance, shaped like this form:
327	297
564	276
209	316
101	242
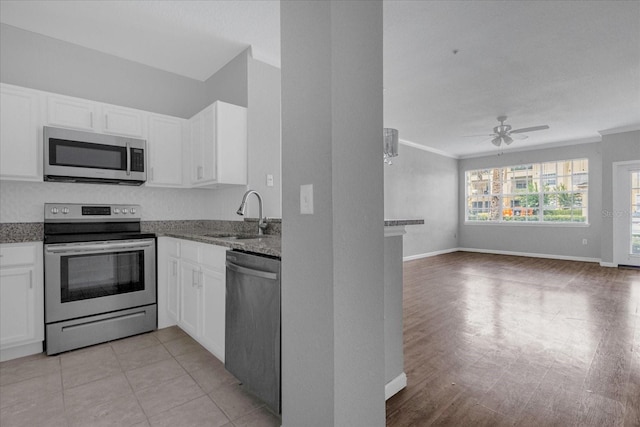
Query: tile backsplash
24	201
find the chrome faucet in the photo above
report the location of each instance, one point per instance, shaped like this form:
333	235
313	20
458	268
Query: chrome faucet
262	222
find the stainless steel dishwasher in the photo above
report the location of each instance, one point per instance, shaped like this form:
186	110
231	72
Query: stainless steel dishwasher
252	328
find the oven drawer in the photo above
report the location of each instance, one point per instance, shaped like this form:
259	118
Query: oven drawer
77	333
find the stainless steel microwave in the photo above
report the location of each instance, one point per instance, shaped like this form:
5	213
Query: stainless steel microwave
76	156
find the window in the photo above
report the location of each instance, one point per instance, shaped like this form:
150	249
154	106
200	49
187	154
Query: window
552	192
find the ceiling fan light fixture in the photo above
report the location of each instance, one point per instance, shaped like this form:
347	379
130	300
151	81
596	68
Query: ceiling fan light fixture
390	144
496	141
507	139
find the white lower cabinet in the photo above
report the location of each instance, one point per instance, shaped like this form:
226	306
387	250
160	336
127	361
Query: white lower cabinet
212	294
173	278
21	300
192	289
190	298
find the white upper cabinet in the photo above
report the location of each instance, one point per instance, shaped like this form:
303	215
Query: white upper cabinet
219	146
165	147
83	114
122	121
68	112
207	151
20	134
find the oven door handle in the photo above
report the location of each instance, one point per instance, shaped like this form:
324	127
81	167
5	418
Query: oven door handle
99	247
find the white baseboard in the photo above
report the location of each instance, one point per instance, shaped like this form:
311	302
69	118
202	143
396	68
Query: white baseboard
429	254
395	385
20	351
608	264
530	254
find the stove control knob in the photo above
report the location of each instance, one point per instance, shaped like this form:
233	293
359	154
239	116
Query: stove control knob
116	211
125	211
54	211
132	210
65	210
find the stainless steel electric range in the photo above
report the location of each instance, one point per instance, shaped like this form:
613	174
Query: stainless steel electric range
99	275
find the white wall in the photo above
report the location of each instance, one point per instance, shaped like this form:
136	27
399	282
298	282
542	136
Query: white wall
552	240
332	269
39	62
264	137
616	147
423	185
24	201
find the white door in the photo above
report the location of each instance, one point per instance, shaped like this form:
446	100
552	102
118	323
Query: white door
626	210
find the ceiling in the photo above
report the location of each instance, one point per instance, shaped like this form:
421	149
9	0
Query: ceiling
450	67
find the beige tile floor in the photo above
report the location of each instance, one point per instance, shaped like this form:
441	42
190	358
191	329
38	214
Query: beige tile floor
163	378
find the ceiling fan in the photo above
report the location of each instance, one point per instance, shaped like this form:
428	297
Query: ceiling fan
503	133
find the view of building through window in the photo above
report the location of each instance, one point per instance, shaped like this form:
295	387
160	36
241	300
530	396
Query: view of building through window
538	192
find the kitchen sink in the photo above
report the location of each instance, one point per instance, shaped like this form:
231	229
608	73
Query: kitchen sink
245	237
236	236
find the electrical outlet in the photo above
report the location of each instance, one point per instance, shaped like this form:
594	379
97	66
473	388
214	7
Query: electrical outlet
269	180
584	241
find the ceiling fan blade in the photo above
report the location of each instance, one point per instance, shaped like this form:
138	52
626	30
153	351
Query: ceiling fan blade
518	136
531	129
478	136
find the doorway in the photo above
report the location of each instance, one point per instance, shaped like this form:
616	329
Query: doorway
626	213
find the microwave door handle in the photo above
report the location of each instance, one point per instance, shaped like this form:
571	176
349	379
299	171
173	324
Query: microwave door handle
99	247
128	159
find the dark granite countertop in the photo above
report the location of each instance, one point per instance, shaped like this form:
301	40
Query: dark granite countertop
400	222
205	231
267	244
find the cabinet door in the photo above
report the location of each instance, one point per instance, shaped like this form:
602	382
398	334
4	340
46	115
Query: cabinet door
231	143
20	134
213	309
203	167
189	313
165	151
70	112
173	279
168	279
122	121
219	146
17	306
209	119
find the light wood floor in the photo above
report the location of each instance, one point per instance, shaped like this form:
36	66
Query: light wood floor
494	340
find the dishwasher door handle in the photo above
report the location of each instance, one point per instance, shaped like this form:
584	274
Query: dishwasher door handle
258	273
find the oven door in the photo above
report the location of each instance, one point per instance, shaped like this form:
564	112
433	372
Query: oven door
88	278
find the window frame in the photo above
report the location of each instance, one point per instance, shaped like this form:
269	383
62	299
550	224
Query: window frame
548	199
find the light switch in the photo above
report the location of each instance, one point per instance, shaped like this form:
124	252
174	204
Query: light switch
306	199
269	180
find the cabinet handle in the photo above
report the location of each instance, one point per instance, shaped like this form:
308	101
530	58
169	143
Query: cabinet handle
175	268
91	118
30	279
200	279
106	121
194	278
200	173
